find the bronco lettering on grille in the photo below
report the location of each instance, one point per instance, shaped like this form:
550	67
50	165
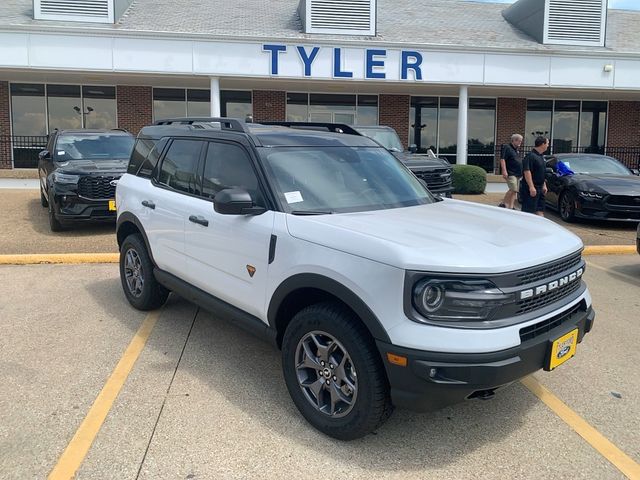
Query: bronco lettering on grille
549	287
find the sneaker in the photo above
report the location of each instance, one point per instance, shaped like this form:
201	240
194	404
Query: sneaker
502	205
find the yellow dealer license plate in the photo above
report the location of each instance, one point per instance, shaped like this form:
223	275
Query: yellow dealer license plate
112	205
563	349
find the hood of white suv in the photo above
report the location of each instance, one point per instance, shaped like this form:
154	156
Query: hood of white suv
448	236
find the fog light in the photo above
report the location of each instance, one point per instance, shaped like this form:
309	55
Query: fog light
433	372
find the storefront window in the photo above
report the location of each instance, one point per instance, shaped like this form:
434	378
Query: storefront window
198	103
235	104
169	103
332	108
538	122
28	109
367	111
99	105
297	107
448	132
64	107
593	121
565	126
481	132
423	131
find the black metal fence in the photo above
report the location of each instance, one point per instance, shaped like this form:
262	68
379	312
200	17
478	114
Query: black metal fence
24	149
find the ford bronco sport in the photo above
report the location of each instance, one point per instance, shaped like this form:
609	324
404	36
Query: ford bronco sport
378	293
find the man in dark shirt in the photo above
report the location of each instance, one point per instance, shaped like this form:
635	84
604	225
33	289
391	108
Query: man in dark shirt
511	169
534	187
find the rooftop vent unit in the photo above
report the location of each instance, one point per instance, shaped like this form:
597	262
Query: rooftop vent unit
341	17
561	22
95	11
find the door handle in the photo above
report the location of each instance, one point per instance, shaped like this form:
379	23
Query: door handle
199	220
149	204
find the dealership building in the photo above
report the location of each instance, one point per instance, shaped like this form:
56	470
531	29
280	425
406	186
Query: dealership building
457	77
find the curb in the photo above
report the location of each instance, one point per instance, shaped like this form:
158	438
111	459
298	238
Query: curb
609	250
59	258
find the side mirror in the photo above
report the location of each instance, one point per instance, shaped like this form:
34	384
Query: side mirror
45	155
413	148
235	201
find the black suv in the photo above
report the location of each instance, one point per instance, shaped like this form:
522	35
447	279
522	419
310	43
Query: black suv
436	172
78	174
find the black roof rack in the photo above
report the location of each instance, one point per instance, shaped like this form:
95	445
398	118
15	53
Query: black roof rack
331	127
225	123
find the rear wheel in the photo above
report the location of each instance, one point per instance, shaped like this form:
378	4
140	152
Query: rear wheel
136	275
334	373
567	207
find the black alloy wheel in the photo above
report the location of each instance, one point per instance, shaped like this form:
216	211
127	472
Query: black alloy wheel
136	275
334	372
567	207
54	223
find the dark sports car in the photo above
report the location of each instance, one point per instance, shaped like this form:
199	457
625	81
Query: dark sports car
596	187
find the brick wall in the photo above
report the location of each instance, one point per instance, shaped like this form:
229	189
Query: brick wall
269	105
394	112
135	107
5	127
511	114
624	124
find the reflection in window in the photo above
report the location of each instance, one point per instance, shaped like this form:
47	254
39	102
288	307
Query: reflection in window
28	110
178	169
424	123
448	140
538	122
593	121
367	112
235	104
297	107
64	106
565	126
338	108
481	132
99	105
229	166
198	103
169	103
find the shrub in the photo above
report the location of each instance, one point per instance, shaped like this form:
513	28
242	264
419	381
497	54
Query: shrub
469	179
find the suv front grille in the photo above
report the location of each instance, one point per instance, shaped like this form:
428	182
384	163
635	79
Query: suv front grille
623	201
97	187
435	179
531	304
548	270
540	328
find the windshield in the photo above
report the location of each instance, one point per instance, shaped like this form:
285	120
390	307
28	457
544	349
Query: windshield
93	147
595	165
387	138
317	180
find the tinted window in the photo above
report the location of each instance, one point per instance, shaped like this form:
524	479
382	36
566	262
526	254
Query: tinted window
229	166
180	164
596	165
140	152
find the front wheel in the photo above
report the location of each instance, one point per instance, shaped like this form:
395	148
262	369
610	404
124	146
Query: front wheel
567	207
334	373
136	275
54	223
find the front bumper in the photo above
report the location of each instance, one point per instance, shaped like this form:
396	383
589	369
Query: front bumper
433	380
69	207
603	210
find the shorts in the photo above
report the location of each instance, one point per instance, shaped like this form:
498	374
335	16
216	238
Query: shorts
512	182
531	204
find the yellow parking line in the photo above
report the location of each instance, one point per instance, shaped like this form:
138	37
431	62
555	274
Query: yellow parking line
68	258
609	250
608	450
77	450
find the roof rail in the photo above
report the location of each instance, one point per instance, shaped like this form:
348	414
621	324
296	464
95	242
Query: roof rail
225	123
331	127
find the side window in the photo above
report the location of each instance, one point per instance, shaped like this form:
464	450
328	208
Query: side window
179	167
140	152
229	166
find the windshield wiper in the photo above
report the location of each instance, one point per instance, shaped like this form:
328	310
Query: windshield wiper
311	212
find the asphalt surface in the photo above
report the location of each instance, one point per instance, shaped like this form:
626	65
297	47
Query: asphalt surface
24	228
206	400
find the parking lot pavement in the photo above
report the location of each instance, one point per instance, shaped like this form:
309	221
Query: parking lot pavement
24	228
207	400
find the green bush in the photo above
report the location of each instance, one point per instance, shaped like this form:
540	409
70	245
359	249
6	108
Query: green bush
469	179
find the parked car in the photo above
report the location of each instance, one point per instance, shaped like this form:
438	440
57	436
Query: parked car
600	188
79	171
378	293
436	172
638	239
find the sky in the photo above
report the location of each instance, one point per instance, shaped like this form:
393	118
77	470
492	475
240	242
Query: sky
624	4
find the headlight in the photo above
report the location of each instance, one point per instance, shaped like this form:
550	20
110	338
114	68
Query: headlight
595	195
458	300
65	178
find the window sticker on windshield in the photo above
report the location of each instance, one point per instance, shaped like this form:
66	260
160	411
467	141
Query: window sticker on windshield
293	197
60	152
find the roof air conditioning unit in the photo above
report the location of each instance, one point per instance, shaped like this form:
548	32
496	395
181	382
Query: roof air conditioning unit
338	17
95	11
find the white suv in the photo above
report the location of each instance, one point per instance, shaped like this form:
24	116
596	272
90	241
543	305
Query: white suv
377	292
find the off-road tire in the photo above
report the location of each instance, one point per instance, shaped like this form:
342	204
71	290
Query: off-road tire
372	404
